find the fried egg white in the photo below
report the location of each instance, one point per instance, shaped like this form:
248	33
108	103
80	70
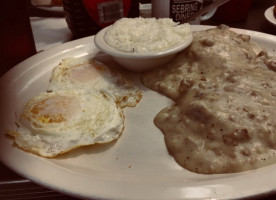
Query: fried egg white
55	122
94	75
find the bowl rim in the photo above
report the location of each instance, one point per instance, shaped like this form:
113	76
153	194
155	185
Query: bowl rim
104	47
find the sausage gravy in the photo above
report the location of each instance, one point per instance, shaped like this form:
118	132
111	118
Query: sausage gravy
223	119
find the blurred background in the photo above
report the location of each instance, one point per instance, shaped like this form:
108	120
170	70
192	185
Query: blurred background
19	18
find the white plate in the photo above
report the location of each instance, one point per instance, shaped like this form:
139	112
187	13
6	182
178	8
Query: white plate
270	16
138	165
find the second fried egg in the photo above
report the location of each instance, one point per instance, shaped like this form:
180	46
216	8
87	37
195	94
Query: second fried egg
94	76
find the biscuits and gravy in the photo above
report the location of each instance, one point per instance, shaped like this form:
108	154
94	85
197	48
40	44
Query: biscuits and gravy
223	119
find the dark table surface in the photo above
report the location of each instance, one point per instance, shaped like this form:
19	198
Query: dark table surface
15	187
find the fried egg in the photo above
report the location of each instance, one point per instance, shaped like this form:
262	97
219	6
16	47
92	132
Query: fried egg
53	123
94	76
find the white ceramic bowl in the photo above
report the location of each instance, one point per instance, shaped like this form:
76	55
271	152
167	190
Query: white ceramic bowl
139	62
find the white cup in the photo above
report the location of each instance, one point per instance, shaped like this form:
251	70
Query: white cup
179	10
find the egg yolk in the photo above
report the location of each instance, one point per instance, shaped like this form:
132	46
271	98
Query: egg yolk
87	73
55	109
